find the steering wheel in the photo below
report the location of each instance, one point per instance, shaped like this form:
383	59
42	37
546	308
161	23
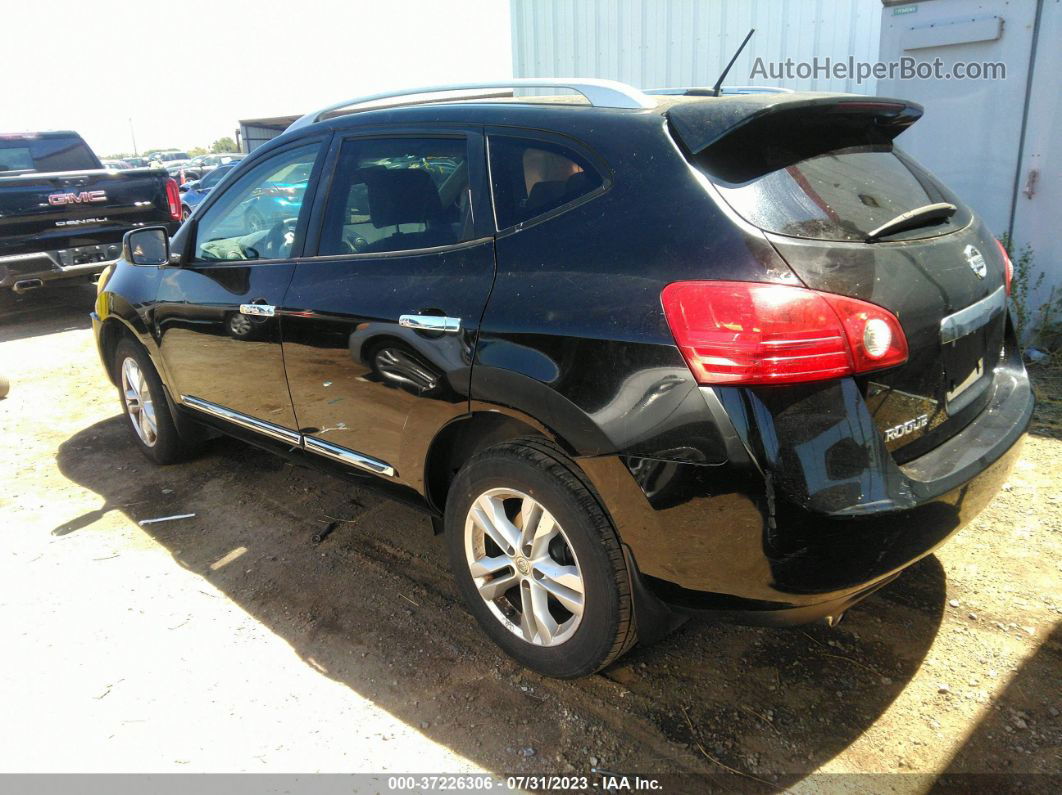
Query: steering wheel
281	235
355	244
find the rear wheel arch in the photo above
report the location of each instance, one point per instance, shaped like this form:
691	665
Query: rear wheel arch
462	438
537	469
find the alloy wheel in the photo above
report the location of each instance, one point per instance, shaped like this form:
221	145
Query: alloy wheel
138	401
524	567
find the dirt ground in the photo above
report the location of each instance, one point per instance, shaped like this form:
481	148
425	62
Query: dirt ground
233	642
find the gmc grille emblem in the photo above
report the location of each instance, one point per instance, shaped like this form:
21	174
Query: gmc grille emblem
85	197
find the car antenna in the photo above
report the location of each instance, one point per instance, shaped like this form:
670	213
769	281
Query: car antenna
717	88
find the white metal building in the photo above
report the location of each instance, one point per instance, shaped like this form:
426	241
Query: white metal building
670	43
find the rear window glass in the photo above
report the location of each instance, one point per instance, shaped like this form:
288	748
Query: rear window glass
19	153
841	195
531	178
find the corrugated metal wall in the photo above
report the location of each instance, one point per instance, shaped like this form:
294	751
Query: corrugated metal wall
664	43
253	136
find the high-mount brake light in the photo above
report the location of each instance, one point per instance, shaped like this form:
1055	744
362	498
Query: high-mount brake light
173	199
1008	266
752	333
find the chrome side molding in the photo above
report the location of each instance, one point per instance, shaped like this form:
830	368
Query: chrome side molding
346	456
959	324
289	436
449	325
235	417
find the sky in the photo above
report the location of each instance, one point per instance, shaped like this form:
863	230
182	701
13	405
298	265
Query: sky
186	72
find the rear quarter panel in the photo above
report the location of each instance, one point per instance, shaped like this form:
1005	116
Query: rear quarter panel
574	334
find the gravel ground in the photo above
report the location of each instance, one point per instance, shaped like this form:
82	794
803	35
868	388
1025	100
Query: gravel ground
233	642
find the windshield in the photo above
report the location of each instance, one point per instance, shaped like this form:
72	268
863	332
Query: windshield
214	177
842	195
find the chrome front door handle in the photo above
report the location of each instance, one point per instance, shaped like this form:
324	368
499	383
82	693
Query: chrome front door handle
260	310
450	325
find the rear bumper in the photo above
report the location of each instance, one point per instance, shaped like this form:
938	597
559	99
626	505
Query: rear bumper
798	532
49	265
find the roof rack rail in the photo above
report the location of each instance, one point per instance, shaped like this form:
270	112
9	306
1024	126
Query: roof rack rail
600	93
699	91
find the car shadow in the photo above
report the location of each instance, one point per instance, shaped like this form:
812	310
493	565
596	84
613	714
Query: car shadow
1024	720
49	310
371	606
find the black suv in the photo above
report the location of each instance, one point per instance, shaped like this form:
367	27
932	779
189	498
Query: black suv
640	358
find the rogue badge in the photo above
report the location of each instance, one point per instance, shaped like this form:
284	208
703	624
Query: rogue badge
904	428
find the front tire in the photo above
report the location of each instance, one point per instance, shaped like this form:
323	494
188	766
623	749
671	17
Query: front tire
145	407
537	560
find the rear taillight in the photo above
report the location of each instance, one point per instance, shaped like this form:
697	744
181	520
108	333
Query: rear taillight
1008	266
173	198
750	333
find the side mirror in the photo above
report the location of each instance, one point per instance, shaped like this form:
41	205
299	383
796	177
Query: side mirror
149	246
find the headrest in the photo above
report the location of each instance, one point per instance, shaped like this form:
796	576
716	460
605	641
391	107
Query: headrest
545	194
400	196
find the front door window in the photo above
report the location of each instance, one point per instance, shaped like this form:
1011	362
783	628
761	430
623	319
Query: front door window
257	218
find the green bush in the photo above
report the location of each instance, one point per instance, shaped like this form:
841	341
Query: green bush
1036	326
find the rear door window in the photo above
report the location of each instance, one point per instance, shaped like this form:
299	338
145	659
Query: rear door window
531	178
398	194
842	195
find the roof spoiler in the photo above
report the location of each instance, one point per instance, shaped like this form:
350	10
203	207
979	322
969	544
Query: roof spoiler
741	137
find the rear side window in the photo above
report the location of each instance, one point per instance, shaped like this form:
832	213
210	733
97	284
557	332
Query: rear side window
841	195
530	178
398	194
26	153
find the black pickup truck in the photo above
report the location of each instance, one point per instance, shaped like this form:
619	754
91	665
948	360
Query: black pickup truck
63	215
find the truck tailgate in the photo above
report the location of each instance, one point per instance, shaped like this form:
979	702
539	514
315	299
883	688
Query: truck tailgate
42	211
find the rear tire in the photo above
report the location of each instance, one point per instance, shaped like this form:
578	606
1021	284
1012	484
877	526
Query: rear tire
537	560
145	406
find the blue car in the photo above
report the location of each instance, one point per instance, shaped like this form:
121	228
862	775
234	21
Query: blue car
192	193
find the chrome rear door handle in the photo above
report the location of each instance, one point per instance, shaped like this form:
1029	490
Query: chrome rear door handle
451	325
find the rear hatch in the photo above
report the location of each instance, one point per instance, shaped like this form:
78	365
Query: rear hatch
818	175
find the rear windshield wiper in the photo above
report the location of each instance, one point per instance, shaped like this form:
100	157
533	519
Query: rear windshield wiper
912	219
